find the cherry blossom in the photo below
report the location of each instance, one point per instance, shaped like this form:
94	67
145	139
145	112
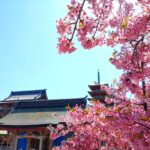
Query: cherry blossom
122	120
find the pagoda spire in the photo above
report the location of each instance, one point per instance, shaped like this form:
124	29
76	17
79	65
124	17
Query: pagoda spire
98	77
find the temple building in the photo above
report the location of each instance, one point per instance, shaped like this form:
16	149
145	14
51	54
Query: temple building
25	116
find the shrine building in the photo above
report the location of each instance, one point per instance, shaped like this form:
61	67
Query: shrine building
25	116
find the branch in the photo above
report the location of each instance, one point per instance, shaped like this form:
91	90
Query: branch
143	82
142	125
136	45
96	28
98	22
76	22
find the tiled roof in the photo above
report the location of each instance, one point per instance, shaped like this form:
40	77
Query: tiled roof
39	113
27	95
52	103
31	117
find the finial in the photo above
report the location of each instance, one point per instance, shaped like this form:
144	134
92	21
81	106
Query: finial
98	76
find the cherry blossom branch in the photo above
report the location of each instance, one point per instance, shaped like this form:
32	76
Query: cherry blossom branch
143	82
76	22
98	22
135	48
144	104
71	23
96	28
142	125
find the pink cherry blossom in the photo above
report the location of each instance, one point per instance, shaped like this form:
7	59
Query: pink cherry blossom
122	120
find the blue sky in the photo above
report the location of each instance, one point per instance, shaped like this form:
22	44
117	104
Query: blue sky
28	52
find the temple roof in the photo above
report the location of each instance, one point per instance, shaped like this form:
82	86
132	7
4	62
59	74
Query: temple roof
27	95
31	117
39	113
52	103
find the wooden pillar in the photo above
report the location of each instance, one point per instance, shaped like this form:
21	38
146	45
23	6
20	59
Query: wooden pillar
15	143
28	143
41	142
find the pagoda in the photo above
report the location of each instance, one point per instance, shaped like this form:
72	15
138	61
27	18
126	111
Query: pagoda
96	92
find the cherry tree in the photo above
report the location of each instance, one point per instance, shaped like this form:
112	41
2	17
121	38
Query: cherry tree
125	26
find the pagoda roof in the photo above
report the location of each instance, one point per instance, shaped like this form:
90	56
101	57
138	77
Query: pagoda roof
96	87
39	113
97	93
27	95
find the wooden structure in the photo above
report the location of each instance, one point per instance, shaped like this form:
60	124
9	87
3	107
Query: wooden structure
96	92
28	115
